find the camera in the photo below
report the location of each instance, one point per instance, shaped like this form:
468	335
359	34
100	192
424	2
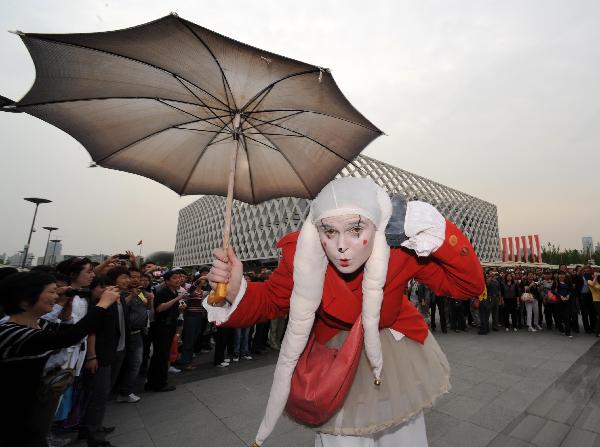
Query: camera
122	256
82	293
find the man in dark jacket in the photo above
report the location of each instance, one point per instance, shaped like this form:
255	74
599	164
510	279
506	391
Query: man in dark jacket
166	312
104	357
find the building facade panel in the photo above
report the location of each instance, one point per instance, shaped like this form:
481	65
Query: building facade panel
257	228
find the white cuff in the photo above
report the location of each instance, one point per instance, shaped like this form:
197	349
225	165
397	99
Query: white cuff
425	228
221	314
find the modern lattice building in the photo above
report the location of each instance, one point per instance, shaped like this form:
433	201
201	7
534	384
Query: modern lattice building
257	228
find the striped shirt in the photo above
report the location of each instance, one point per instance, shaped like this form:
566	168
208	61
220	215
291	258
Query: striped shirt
23	354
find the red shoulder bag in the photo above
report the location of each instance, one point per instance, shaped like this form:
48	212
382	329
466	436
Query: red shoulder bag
323	377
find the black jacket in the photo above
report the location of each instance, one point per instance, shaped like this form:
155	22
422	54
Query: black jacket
107	335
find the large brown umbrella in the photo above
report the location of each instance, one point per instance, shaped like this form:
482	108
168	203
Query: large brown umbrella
196	111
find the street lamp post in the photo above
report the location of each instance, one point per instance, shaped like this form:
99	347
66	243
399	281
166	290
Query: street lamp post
37	202
53	258
50	230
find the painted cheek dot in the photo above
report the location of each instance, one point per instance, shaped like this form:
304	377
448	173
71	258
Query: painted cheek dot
365	242
323	243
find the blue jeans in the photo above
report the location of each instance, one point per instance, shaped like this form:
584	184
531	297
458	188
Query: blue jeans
240	345
192	328
133	361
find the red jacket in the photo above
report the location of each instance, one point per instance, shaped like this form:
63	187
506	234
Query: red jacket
453	270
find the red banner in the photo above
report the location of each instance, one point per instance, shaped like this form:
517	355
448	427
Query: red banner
530	237
517	249
504	249
524	244
537	245
510	249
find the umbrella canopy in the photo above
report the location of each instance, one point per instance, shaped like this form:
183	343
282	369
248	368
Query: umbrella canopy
174	102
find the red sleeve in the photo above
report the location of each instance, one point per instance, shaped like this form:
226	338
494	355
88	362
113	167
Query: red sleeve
264	301
453	269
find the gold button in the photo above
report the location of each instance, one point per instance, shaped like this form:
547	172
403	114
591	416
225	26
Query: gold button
377	382
453	240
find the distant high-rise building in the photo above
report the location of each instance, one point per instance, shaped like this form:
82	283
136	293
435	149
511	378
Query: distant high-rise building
588	245
16	260
597	249
54	255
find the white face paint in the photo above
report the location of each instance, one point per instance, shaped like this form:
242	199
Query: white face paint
347	240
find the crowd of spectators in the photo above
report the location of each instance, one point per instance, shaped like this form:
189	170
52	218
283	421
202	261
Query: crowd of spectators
566	300
75	333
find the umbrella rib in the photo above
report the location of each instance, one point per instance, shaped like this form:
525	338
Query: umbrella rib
245	116
249	169
124	57
141	139
305	136
275	148
187	180
191	114
277	119
272	84
200	130
45	103
226	86
198	98
318	113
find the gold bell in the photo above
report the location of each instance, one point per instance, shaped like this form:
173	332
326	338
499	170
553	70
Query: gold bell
254	444
377	382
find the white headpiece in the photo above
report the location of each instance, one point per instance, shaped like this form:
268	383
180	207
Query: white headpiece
339	197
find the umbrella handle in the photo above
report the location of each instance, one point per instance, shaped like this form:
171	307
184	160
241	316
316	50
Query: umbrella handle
217	296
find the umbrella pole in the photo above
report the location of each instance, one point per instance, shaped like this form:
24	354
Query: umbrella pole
220	292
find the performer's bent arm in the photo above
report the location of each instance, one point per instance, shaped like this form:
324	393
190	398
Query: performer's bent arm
255	302
447	262
454	268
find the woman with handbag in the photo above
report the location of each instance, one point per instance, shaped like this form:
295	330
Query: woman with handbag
529	297
342	280
26	343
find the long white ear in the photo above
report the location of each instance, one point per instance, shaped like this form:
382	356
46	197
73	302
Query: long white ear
373	282
310	265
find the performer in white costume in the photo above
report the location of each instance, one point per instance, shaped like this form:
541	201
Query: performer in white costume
339	267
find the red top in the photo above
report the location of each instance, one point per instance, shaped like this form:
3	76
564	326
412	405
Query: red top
453	270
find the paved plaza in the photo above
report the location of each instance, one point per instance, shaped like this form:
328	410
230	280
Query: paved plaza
509	389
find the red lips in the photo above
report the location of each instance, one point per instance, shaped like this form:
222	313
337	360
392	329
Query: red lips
344	262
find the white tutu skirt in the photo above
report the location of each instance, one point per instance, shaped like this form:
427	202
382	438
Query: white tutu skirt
414	375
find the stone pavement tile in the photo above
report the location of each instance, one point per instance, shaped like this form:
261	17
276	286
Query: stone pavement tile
466	434
519	370
182	412
527	427
169	425
506	441
472	374
533	384
589	419
515	400
566	411
551	434
493	417
199	434
581	438
484	392
557	365
123	425
460	407
438	424
549	399
135	438
504	380
299	437
460	384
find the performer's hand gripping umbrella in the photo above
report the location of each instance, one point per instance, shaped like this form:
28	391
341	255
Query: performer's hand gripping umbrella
195	111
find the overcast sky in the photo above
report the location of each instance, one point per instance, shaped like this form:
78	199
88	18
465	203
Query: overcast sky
499	99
